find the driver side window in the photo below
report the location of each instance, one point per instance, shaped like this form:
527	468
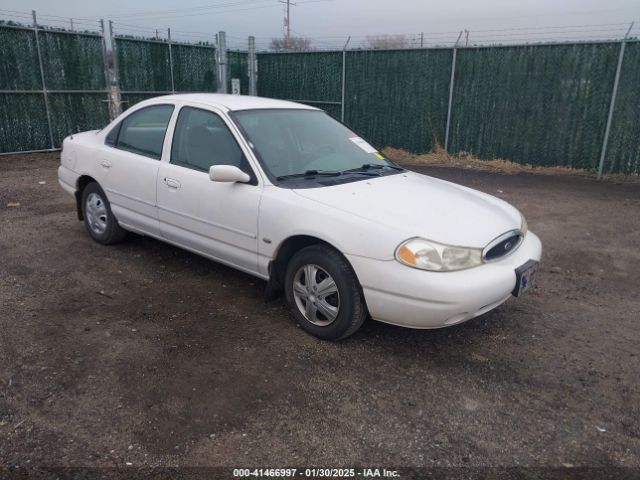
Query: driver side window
202	139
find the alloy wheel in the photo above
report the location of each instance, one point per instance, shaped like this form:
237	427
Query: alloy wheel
96	212
316	295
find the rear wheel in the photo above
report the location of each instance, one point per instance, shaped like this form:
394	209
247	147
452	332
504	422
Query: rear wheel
99	221
323	293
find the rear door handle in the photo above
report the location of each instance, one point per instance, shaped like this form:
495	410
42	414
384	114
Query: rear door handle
105	163
172	183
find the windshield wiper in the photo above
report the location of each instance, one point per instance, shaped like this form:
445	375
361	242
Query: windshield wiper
310	174
371	166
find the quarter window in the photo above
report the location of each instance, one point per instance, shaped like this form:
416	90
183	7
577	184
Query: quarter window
202	139
143	132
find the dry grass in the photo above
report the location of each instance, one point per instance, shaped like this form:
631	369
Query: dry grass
438	157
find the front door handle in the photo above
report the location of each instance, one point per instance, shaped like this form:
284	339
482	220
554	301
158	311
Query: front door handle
172	183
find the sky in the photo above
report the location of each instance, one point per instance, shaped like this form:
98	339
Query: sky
329	22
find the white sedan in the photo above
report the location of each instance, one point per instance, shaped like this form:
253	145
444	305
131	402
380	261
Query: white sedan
284	192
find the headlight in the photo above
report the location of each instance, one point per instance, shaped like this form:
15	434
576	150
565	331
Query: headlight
436	257
524	228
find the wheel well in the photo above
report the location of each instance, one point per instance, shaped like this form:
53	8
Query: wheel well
82	182
288	249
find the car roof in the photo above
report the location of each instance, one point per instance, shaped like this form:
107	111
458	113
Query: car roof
234	102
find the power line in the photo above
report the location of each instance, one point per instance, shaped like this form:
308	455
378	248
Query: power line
154	13
509	35
251	5
218	12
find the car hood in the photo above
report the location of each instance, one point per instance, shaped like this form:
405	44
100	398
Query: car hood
415	205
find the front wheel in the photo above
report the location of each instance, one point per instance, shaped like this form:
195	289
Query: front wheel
323	293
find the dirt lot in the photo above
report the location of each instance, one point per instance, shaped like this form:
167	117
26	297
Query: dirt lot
146	354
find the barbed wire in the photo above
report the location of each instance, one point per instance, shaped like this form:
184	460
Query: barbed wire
479	37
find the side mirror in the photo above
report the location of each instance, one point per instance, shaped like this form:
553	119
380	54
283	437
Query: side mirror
227	173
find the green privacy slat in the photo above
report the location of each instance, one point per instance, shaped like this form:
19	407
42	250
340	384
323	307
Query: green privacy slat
130	99
23	122
331	109
19	68
239	68
398	98
543	105
194	68
77	112
72	62
623	154
301	76
143	66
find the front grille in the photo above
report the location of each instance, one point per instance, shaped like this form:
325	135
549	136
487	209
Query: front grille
503	247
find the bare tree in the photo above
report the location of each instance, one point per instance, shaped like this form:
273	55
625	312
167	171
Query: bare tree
387	41
291	44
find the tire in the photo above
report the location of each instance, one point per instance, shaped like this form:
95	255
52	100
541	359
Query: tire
320	311
99	221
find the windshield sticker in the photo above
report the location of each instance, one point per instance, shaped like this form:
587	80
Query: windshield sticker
363	144
380	156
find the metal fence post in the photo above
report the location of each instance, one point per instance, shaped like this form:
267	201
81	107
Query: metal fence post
222	62
453	73
105	66
253	67
115	87
173	90
344	78
612	104
44	85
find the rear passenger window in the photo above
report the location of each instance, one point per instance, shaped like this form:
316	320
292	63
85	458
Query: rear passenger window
202	139
143	132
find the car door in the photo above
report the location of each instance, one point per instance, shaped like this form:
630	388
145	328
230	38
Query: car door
217	219
130	165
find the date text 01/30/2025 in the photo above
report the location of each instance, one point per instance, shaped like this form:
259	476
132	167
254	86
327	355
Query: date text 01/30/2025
315	473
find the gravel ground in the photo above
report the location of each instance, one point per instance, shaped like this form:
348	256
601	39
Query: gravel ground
145	354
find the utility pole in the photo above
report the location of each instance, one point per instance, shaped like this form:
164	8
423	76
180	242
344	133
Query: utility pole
287	19
466	43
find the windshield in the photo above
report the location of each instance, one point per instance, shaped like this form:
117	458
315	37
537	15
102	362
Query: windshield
306	142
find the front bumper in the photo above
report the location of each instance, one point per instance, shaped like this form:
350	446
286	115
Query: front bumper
414	298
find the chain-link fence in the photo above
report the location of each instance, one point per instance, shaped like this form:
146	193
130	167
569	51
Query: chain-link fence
623	154
314	78
146	68
544	105
573	105
52	83
55	82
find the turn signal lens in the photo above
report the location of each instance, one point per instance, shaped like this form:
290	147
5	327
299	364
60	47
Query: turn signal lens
436	257
406	256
